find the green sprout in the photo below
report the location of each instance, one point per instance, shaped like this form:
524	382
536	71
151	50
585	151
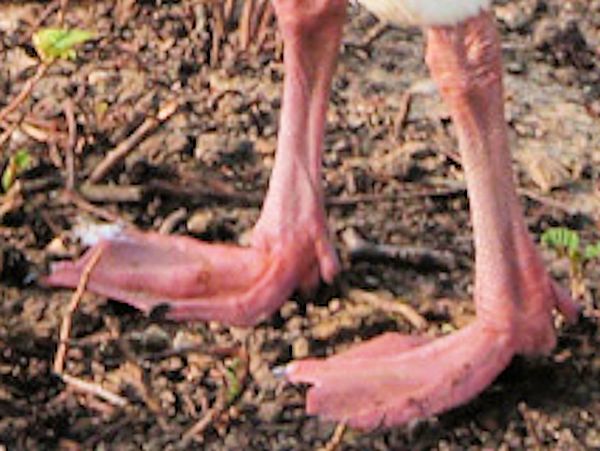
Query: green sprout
592	251
58	43
234	384
567	243
18	163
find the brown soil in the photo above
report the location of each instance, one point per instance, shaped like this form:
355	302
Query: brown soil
393	175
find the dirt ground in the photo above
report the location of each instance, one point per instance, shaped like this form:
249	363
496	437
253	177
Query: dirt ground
393	177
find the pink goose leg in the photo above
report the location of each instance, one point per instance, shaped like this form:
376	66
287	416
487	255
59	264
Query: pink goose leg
394	378
290	243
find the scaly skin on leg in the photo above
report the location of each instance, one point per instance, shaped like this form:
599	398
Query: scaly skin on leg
395	379
294	207
290	243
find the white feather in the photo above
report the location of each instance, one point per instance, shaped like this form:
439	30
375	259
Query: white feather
425	12
91	233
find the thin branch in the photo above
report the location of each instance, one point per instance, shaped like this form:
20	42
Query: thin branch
384	301
423	257
12	200
62	12
9	129
112	193
47	12
116	155
245	24
94	389
65	328
228	10
402	116
69	111
375	33
172	220
197	430
81	203
336	439
221	403
265	20
218	28
26	91
213	351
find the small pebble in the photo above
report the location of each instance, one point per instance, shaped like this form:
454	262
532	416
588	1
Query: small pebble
300	348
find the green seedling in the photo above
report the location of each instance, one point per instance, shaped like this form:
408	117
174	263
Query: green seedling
592	251
58	43
567	244
18	163
234	384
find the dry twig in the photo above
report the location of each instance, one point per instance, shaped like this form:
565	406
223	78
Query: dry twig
218	33
229	9
336	439
69	110
25	91
385	301
264	22
245	28
8	131
172	220
116	155
531	418
12	200
62	12
213	351
196	431
400	120
360	248
94	389
222	401
79	202
375	33
136	378
39	20
65	328
112	193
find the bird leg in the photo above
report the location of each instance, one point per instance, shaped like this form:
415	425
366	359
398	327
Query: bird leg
394	379
293	214
290	246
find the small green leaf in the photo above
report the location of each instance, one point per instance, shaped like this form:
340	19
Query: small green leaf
17	163
562	239
234	386
592	251
101	108
8	177
22	160
52	43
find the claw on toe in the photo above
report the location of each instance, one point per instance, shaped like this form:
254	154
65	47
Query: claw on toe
565	303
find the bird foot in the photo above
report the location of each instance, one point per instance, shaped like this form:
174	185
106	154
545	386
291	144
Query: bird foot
201	281
396	378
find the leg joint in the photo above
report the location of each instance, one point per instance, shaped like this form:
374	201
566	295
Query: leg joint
465	58
306	15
